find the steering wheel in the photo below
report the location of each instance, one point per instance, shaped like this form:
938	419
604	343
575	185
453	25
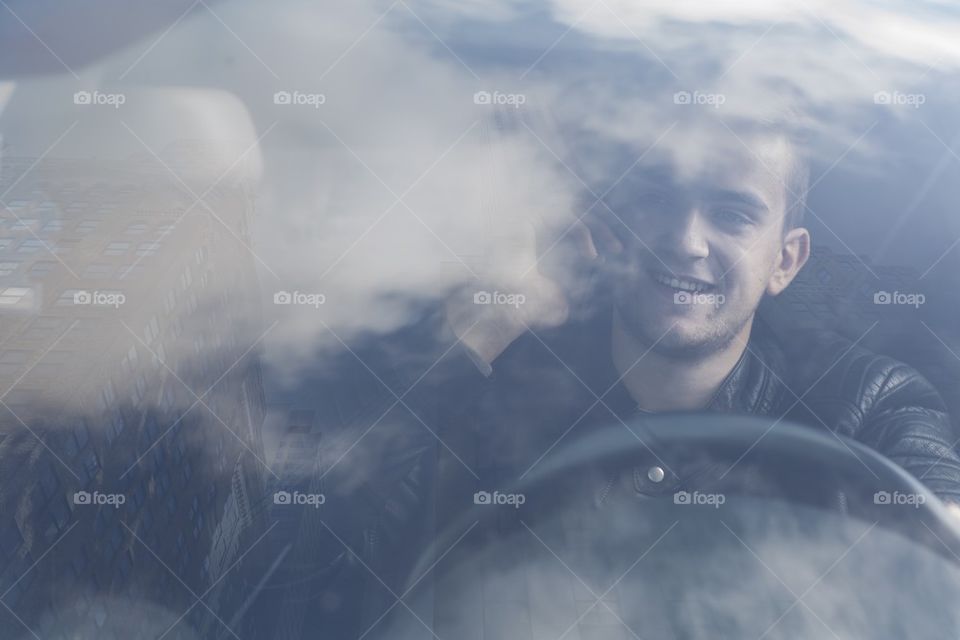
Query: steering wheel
812	466
799	464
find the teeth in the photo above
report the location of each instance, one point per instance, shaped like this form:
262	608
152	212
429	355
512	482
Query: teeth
683	285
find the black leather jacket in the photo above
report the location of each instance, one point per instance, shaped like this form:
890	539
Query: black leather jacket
442	429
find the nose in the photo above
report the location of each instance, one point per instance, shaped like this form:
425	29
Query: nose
686	236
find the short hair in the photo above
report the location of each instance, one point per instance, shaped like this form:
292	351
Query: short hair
790	124
798	187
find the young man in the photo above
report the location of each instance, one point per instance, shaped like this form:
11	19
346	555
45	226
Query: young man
685	252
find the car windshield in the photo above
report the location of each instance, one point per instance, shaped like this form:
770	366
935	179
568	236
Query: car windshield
503	319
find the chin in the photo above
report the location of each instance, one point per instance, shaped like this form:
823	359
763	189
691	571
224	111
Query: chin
683	338
680	341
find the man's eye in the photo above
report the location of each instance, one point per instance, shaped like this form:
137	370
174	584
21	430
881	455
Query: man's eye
733	217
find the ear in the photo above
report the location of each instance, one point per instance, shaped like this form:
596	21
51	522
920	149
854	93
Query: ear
793	255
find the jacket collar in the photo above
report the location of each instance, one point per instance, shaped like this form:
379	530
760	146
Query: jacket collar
755	385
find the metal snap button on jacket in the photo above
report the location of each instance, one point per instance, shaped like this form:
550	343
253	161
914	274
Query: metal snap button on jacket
655	473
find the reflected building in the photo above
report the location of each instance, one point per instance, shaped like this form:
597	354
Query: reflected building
298	541
131	402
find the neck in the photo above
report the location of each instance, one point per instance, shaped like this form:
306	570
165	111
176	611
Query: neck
661	383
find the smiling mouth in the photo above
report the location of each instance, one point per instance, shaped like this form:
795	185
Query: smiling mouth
683	284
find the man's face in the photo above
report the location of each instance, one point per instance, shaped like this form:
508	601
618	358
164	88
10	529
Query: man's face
701	248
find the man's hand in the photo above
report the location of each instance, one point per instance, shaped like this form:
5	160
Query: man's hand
488	325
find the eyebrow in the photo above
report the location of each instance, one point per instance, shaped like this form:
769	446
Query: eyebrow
741	197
